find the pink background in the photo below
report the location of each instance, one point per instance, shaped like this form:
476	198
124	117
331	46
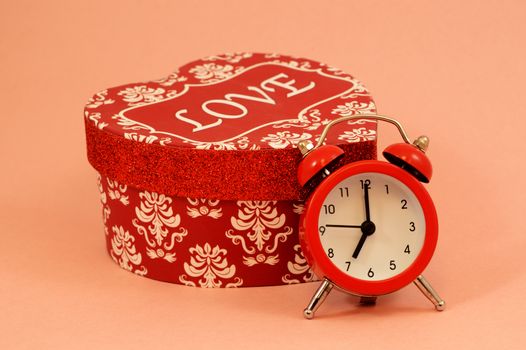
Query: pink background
453	70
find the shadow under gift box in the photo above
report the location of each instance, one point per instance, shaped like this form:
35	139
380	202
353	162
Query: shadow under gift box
197	171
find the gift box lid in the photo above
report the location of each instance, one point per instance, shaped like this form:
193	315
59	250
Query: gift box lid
226	126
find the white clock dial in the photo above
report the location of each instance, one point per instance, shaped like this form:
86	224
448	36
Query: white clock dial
397	220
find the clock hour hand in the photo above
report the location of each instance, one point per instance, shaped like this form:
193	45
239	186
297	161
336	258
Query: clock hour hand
368	229
359	246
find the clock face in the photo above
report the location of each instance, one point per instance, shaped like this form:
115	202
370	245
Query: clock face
371	226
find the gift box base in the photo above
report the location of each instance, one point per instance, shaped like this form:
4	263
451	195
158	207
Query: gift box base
203	242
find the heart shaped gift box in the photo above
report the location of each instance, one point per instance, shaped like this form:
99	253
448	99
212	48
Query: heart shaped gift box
197	171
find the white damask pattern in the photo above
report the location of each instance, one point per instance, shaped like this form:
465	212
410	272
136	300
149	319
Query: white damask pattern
155	219
141	94
311	120
99	99
212	72
335	71
358	135
235	57
358	90
262	229
106	211
95	118
241	143
203	207
171	79
124	253
210	266
283	139
147	138
128	124
116	191
298	267
295	64
298	208
140	138
354	107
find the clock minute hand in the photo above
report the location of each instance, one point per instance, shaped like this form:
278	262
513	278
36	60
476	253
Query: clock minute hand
367	226
366	200
344	226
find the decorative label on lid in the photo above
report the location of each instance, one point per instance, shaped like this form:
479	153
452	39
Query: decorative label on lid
263	95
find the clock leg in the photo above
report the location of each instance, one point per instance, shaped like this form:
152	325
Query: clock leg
430	293
323	290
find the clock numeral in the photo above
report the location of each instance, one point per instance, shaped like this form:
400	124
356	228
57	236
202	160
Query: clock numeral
329	209
404	203
348	265
322	230
344	192
387	189
406	250
392	265
365	182
370	273
412	227
330	253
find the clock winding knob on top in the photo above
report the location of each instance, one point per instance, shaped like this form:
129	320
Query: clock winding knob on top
422	143
305	146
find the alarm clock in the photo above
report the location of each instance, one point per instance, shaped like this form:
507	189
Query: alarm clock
370	227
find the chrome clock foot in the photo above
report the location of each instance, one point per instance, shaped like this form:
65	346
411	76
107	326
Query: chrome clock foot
430	293
321	293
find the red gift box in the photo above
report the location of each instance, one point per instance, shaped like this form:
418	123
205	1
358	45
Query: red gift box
198	170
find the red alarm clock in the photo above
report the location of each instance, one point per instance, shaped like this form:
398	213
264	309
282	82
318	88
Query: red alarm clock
369	227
